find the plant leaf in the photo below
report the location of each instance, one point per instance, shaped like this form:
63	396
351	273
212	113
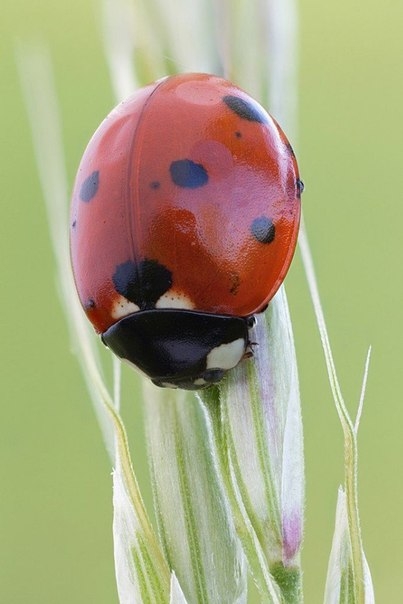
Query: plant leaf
340	588
177	596
195	525
256	422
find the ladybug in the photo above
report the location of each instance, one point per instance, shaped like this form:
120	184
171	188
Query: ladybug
184	221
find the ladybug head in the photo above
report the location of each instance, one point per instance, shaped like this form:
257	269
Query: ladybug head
179	348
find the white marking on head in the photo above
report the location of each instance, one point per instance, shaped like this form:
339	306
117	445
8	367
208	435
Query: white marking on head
173	299
122	308
200	382
226	356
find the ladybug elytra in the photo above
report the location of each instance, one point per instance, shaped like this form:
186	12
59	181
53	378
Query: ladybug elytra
185	217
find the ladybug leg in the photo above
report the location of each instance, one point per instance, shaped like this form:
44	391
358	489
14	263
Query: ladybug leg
250	322
249	352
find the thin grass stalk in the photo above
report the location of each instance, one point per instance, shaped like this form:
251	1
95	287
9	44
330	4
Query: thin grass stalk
350	435
363	390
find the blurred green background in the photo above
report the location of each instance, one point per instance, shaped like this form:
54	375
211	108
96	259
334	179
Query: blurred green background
55	500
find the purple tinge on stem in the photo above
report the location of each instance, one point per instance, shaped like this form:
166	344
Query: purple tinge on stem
292	535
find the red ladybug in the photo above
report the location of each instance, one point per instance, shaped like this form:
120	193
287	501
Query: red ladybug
185	217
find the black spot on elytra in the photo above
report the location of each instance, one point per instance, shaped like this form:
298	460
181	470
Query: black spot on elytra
90	303
89	187
186	173
300	187
142	283
245	109
263	229
155	185
74	224
238	134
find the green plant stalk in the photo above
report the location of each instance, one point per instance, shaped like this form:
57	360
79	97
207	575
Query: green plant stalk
155	582
351	464
350	437
246	533
135	496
